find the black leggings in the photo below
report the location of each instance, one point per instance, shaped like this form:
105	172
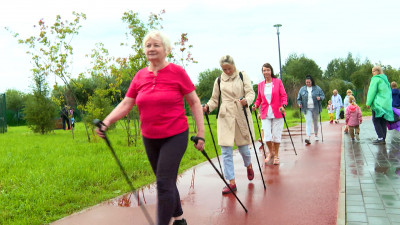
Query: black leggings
380	125
165	156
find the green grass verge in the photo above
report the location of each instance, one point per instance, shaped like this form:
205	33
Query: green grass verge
46	177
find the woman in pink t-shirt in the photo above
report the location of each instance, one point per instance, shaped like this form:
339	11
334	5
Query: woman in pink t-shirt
158	91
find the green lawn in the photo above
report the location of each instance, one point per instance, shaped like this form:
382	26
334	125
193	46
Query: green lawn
46	177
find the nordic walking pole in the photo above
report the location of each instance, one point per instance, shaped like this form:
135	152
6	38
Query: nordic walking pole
259	130
301	126
99	123
287	127
252	140
215	147
322	135
195	140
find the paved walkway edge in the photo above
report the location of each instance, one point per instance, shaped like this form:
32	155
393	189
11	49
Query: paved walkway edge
341	217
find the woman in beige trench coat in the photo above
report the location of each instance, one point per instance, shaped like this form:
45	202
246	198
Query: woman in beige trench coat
232	127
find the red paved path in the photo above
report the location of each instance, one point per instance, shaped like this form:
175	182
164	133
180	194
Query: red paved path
304	189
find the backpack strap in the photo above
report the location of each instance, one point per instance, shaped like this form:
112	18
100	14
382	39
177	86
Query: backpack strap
219	88
219	98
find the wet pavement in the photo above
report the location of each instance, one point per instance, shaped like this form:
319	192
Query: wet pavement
372	178
326	183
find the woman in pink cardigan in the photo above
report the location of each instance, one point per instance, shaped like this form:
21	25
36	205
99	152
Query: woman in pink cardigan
273	100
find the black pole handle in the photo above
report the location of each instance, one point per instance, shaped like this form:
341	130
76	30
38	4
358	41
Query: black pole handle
98	123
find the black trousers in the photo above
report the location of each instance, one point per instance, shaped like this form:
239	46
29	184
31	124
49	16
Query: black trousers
165	155
64	119
380	126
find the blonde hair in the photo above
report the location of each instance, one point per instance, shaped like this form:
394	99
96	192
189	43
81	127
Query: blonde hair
156	34
352	100
349	91
393	85
226	59
378	69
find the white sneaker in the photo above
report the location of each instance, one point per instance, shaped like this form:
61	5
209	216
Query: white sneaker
357	137
316	138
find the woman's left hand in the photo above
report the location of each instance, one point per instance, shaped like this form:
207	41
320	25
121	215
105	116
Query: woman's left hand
282	109
243	101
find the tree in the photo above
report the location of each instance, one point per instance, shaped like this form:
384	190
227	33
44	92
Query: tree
342	68
40	112
300	66
52	51
184	49
292	86
361	79
391	73
294	72
206	83
15	101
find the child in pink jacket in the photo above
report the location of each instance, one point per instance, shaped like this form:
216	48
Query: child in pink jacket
353	118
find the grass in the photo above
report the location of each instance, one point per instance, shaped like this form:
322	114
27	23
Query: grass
46	177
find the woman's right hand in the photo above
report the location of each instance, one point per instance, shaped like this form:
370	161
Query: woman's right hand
205	108
200	145
253	108
300	106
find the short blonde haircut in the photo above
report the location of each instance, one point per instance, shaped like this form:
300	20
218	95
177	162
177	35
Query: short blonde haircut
349	91
393	85
226	59
378	69
156	34
352	100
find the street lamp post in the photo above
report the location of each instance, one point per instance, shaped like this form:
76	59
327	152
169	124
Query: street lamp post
279	49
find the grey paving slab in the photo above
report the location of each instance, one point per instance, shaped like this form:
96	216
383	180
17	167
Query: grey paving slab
372	178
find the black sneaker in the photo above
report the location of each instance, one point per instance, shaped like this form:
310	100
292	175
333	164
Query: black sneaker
180	222
307	141
379	142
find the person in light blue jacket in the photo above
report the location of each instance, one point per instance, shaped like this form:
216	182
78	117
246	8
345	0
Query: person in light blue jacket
337	104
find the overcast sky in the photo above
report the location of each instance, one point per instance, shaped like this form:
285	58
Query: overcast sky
320	29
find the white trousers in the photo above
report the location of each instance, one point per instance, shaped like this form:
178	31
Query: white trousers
272	129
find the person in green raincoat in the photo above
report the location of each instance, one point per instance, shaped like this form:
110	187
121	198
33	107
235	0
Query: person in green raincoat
379	99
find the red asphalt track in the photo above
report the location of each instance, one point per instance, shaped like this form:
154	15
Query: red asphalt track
303	189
